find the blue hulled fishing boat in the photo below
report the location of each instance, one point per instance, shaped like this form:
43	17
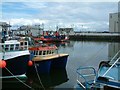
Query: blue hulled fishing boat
107	76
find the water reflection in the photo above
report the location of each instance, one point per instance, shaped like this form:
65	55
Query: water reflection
56	77
113	49
47	81
13	83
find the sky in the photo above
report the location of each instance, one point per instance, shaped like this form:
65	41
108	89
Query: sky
88	16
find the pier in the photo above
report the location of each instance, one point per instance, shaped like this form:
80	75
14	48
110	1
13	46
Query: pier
96	36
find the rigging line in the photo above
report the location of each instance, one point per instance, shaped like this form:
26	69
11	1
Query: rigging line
18	78
39	76
115	56
96	53
111	66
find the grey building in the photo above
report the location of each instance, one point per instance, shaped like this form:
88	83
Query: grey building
66	30
114	22
4	27
119	16
35	30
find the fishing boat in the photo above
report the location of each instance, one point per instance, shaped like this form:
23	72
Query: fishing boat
46	58
52	38
14	56
107	76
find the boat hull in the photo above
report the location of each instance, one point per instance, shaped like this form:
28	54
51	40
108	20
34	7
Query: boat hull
40	67
16	66
46	65
59	63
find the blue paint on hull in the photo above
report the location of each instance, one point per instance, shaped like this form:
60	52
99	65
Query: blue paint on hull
40	67
59	63
47	65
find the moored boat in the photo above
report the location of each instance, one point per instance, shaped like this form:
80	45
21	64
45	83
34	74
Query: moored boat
46	58
56	37
106	77
14	58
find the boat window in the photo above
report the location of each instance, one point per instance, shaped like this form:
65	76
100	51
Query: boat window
44	52
40	52
2	46
7	46
12	45
17	47
25	43
21	43
6	49
11	48
47	51
37	52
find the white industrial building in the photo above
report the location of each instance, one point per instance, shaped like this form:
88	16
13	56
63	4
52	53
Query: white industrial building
114	23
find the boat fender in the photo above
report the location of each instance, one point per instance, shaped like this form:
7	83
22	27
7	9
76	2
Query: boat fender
30	63
2	64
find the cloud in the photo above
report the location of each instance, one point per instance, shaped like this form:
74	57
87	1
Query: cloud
60	1
23	21
91	15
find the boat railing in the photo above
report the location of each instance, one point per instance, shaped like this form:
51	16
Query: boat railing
43	52
115	57
86	76
111	66
13	46
109	75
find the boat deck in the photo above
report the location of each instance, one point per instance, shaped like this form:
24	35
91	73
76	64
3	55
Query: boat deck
48	57
112	76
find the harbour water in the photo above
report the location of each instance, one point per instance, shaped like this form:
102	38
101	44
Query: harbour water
81	53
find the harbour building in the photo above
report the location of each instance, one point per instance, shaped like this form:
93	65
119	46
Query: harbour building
114	21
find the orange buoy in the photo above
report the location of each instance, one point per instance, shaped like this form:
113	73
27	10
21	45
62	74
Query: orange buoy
2	64
30	63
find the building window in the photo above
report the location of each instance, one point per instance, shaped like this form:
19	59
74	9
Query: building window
110	16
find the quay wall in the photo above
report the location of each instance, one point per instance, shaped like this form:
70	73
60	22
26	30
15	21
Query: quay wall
95	37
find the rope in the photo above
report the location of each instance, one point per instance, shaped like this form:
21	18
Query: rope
31	56
18	78
3	50
38	76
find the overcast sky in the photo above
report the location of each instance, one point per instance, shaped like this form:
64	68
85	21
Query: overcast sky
89	15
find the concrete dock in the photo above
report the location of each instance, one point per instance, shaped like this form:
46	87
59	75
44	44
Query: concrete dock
96	36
